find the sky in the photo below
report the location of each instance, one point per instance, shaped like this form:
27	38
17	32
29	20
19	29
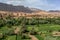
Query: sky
40	4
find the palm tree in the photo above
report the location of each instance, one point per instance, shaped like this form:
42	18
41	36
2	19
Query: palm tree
23	27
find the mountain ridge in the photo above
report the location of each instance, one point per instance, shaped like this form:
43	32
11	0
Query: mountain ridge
8	7
18	11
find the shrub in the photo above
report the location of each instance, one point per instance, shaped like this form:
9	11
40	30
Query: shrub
25	36
1	35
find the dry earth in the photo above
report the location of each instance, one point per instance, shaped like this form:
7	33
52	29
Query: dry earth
33	37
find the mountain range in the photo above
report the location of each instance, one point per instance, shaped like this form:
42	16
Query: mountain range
6	9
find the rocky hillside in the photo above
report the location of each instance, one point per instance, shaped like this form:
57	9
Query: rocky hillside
8	7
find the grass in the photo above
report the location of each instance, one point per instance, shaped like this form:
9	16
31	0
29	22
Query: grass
45	27
39	37
49	26
47	37
42	28
11	38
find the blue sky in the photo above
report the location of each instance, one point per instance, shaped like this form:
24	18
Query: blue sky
40	4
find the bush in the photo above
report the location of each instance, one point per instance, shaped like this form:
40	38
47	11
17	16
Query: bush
33	33
25	36
1	35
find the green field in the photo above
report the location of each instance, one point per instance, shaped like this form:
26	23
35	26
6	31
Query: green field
21	28
47	30
44	28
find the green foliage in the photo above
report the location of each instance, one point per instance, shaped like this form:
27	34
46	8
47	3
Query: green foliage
39	37
25	36
47	24
34	21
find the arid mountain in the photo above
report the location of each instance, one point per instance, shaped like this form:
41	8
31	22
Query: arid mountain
35	9
18	11
54	10
8	7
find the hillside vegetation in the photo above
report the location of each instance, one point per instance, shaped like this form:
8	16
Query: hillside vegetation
22	27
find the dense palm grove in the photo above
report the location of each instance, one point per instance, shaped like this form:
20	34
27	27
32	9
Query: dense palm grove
9	21
22	22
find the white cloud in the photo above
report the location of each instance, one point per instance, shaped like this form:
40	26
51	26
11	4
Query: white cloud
43	4
32	2
13	2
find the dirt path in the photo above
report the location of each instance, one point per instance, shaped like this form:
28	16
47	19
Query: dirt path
33	37
16	30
